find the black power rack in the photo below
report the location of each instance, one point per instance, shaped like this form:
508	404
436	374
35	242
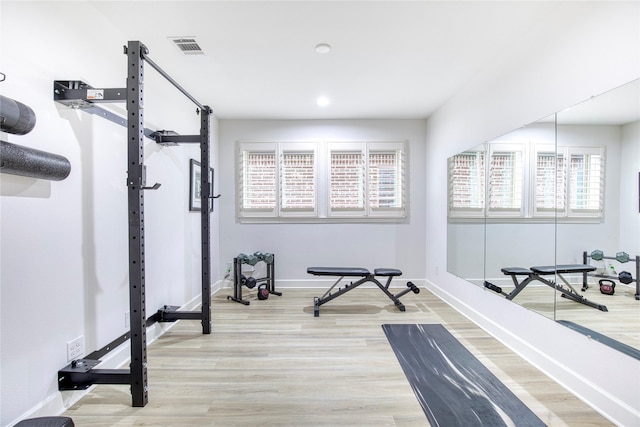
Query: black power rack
81	373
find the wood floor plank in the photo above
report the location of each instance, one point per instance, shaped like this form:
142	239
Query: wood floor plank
273	363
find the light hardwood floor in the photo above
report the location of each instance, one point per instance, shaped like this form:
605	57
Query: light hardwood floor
273	363
621	322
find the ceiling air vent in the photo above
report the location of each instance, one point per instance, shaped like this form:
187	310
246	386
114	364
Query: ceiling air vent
188	45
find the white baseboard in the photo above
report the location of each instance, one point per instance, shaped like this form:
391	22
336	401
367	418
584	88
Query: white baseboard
396	283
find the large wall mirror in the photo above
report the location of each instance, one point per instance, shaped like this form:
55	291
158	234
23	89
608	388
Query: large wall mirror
550	194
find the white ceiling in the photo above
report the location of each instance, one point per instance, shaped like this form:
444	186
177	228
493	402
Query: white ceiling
389	59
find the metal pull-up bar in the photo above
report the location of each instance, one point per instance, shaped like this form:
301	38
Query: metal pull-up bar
144	53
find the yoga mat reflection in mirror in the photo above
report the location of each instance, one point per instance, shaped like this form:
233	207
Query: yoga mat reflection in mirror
452	386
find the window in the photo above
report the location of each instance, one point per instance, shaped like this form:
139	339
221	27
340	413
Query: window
337	180
297	184
563	183
259	179
573	188
586	181
549	181
277	180
366	179
385	180
506	180
347	181
466	184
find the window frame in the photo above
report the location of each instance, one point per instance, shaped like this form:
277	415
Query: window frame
520	152
529	207
298	148
572	212
540	212
323	211
476	181
248	212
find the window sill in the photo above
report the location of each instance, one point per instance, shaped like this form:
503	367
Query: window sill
332	220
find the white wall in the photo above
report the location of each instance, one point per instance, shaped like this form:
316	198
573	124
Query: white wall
601	51
298	246
64	271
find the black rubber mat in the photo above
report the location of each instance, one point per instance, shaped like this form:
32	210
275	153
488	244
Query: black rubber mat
597	336
452	386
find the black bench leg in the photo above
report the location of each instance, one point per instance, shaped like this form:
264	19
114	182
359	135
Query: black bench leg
519	286
392	297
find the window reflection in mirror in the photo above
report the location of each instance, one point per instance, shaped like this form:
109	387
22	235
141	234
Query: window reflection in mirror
466	212
520	226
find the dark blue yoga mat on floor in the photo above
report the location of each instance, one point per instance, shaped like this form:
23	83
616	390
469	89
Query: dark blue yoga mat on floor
452	386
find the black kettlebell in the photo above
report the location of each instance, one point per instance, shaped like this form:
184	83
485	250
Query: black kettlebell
263	292
607	287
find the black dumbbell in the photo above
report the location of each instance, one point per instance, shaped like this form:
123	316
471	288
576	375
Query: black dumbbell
625	277
413	288
493	287
249	282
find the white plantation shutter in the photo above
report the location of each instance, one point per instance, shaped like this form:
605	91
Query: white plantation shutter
586	181
258	181
347	181
506	181
385	180
297	181
550	182
467	184
546	181
561	182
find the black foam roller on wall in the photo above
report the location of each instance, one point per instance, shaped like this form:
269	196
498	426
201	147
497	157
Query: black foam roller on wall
15	117
23	161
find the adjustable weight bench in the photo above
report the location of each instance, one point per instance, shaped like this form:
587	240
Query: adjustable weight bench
537	273
365	276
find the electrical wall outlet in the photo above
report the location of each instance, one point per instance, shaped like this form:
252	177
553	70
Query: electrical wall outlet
75	348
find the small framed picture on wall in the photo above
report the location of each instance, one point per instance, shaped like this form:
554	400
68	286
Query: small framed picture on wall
195	186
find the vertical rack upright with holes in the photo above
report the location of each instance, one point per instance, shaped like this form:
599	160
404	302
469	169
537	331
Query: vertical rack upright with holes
81	373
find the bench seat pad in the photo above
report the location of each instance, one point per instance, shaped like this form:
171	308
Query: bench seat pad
338	271
563	268
516	271
387	272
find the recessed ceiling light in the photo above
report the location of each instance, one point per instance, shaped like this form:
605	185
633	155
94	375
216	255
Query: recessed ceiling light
323	48
323	101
